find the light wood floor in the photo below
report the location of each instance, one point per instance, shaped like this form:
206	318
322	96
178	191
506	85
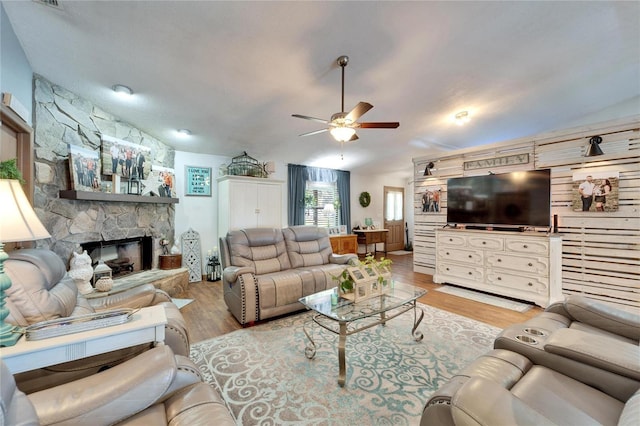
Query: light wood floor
207	316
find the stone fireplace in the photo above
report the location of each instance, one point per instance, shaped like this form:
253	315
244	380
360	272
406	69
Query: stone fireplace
124	257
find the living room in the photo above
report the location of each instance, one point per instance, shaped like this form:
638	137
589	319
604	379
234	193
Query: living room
600	250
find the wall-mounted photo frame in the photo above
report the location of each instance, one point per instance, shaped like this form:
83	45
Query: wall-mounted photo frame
198	181
595	191
84	165
430	199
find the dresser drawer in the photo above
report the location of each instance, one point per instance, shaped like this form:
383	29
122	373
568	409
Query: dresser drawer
531	265
451	239
528	246
485	242
529	284
446	269
460	255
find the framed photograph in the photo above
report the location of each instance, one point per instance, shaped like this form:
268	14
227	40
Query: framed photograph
595	191
125	159
431	199
84	165
334	230
198	181
162	181
343	229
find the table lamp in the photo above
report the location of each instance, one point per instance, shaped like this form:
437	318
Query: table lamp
329	209
18	223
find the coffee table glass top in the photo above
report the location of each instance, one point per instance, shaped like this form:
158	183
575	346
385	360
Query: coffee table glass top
346	310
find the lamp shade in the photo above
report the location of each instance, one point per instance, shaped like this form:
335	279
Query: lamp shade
19	222
329	208
342	134
594	147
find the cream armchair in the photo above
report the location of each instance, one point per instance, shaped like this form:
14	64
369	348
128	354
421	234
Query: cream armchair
154	388
42	290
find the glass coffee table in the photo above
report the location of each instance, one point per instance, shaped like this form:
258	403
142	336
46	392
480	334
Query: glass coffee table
345	317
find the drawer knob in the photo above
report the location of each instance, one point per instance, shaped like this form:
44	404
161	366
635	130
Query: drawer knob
530	264
451	239
470	256
484	242
525	246
530	284
447	253
499	260
470	273
447	269
499	278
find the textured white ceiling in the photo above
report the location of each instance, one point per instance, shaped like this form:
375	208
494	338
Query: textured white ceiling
234	72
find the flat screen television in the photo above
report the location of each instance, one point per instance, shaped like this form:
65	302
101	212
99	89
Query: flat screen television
509	200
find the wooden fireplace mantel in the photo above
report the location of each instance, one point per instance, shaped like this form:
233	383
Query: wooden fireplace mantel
125	198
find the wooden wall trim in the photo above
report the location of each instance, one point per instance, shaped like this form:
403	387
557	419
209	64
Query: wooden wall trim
24	136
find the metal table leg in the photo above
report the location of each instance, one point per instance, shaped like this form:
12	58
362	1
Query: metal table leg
341	355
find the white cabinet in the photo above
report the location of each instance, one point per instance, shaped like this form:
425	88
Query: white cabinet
246	202
525	266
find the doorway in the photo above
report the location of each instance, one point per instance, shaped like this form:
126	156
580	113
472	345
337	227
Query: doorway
394	217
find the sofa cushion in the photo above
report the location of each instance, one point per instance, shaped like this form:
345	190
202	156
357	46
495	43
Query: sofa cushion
307	245
261	249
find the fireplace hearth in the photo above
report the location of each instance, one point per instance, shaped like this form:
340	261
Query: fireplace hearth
124	257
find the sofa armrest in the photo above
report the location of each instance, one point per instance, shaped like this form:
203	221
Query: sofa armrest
483	402
134	298
116	393
596	350
231	273
342	259
603	316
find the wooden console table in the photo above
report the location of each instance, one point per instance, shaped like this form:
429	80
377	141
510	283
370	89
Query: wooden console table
372	236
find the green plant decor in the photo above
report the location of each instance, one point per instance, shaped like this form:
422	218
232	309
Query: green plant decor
346	283
9	170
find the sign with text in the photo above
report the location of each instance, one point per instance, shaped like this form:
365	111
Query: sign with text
198	181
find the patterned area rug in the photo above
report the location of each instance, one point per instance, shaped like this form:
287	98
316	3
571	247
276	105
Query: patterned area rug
489	299
266	379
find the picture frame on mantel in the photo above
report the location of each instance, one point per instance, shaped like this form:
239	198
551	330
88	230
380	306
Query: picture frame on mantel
84	167
198	181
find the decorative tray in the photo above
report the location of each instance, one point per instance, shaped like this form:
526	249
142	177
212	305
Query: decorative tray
77	324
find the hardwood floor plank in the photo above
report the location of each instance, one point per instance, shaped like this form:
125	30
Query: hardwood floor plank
208	317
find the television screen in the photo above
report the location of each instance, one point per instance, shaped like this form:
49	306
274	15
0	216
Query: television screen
515	199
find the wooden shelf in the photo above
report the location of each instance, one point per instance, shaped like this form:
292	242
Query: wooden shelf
124	198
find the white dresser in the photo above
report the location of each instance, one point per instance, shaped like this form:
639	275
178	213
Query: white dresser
522	265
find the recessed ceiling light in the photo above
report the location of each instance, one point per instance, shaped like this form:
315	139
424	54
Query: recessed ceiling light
122	90
184	132
462	118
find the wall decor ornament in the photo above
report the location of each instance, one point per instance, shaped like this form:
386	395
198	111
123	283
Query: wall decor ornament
198	181
365	199
508	160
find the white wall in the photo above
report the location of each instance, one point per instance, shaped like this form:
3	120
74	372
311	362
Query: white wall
16	74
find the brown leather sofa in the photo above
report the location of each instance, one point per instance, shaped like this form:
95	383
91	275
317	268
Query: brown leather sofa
154	388
42	290
577	363
267	270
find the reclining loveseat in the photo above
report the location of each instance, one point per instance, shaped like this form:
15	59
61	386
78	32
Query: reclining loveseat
267	270
42	290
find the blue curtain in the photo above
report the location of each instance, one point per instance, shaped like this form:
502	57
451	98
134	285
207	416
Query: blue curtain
297	182
344	192
298	177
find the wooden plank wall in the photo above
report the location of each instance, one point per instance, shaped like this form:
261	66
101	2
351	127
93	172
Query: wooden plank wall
601	250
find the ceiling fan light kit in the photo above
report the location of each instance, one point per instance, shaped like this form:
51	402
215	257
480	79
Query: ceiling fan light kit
342	125
122	90
462	118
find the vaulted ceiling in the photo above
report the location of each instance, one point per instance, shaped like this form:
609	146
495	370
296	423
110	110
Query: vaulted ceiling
234	72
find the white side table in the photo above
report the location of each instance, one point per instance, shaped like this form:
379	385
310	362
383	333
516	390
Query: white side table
147	325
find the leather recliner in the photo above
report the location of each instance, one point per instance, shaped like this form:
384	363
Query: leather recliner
42	290
154	388
506	388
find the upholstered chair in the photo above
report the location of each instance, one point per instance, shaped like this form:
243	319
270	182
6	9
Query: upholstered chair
506	388
42	290
154	388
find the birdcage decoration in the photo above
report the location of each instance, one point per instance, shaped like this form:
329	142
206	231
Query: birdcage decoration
244	165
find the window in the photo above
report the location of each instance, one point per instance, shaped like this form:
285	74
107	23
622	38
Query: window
321	204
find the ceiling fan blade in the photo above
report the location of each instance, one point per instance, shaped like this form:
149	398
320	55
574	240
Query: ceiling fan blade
315	132
379	125
306	117
358	111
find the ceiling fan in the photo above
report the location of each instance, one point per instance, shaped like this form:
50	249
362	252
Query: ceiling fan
343	125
